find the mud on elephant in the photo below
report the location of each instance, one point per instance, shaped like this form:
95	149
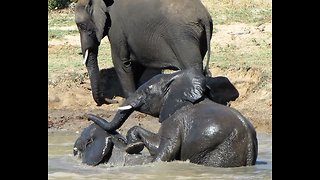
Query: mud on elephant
146	36
193	127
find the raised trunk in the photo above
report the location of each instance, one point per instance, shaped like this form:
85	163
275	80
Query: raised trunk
116	123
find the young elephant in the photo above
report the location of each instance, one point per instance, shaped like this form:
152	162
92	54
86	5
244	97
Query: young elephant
95	146
184	90
193	127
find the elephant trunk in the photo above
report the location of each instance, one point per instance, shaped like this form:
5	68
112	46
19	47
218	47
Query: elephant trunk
93	70
116	123
91	62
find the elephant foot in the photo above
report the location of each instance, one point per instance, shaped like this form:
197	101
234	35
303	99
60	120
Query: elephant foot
106	101
135	148
111	101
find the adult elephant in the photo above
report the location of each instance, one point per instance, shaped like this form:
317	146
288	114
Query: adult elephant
95	146
193	127
146	36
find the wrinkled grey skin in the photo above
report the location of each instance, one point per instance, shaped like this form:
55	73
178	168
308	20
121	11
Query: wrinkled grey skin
95	146
145	36
193	127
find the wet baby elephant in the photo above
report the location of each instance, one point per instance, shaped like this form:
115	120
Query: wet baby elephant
193	127
95	146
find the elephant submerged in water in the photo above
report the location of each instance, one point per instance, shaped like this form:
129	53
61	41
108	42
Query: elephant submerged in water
193	126
95	146
146	36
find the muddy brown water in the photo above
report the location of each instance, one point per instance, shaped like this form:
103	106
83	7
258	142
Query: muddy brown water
63	165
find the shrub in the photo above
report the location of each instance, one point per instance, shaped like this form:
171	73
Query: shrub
58	4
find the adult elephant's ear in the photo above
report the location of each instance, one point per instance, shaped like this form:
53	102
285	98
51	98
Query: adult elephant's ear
98	11
187	87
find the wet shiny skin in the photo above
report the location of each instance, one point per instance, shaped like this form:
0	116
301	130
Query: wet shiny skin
206	133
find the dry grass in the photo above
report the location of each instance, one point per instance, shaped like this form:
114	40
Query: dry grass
245	11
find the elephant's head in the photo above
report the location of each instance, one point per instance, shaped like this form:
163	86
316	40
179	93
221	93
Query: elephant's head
91	17
94	146
164	94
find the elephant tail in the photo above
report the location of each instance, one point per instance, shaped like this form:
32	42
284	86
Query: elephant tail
208	29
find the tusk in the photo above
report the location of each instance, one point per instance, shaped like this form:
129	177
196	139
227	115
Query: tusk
76	149
85	57
125	107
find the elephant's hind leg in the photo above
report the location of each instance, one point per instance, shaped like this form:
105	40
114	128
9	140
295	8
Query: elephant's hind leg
229	153
188	53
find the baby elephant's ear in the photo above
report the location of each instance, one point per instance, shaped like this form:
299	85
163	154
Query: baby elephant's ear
97	147
188	87
220	90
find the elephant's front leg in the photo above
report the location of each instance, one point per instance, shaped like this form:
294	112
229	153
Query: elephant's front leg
123	66
136	135
170	142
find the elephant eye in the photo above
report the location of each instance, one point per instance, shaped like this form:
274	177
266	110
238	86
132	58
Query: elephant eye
127	64
89	141
85	28
82	26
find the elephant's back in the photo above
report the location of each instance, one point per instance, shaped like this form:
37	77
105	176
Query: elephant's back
146	31
215	114
160	30
151	13
185	11
211	121
218	136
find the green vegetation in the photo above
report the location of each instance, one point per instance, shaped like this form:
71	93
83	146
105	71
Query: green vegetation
61	18
59	34
255	54
246	15
57	4
245	11
63	59
65	62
